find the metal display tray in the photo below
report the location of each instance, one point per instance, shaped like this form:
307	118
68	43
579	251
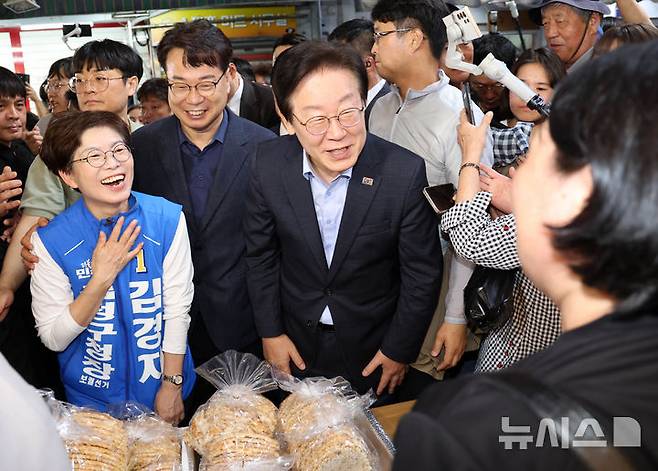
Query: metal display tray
377	439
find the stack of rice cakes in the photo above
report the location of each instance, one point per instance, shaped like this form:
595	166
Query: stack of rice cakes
100	444
321	435
154	446
236	426
336	449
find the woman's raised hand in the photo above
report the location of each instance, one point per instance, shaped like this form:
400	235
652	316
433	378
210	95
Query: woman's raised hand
113	252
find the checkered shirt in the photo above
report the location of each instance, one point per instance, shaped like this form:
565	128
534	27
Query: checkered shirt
510	143
535	320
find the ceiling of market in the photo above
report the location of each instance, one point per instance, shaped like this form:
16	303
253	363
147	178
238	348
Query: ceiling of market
83	7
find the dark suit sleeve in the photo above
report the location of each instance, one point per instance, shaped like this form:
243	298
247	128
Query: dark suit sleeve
263	257
421	266
140	155
257	105
270	118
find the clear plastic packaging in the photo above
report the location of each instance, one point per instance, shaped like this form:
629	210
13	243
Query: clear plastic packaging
237	455
235	369
236	428
154	445
318	424
94	440
130	437
316	404
337	448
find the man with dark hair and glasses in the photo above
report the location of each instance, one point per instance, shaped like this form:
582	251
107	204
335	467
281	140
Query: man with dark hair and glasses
106	74
198	158
343	254
421	114
359	33
488	93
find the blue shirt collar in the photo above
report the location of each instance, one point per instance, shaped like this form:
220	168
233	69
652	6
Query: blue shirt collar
308	171
220	134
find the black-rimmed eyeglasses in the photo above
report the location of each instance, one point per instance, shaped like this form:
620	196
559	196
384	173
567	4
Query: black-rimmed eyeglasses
377	35
205	88
97	158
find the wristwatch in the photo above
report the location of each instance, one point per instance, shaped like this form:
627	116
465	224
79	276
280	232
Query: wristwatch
173	379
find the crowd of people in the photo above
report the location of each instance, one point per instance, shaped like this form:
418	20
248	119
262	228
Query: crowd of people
289	221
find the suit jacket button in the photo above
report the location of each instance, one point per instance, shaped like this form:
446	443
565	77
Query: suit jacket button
309	324
328	292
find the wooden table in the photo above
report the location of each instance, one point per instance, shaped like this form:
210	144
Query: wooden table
389	416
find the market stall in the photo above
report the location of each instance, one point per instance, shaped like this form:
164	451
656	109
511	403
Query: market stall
322	424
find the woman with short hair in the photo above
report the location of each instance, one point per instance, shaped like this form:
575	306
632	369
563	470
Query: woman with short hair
491	242
113	287
586	203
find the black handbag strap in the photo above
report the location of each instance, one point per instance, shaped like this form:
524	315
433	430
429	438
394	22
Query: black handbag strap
546	402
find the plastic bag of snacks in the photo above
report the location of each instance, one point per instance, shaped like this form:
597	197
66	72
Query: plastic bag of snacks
94	440
153	444
317	422
236	428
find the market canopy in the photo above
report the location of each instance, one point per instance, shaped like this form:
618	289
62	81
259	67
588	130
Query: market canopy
82	7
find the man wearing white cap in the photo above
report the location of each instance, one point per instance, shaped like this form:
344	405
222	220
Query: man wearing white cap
571	28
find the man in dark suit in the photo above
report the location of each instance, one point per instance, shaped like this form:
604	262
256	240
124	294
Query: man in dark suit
198	158
252	101
386	88
343	251
359	33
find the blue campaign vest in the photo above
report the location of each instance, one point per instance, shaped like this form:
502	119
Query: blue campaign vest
117	357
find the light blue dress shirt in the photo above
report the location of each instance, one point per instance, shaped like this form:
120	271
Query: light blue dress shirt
329	201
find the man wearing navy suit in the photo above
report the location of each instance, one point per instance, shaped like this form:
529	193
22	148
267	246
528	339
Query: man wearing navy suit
199	159
251	100
343	251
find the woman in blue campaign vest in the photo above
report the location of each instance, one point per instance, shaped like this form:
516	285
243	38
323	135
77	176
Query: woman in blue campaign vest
113	287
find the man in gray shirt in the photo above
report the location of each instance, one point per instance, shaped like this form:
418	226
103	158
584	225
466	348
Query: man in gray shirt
421	114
